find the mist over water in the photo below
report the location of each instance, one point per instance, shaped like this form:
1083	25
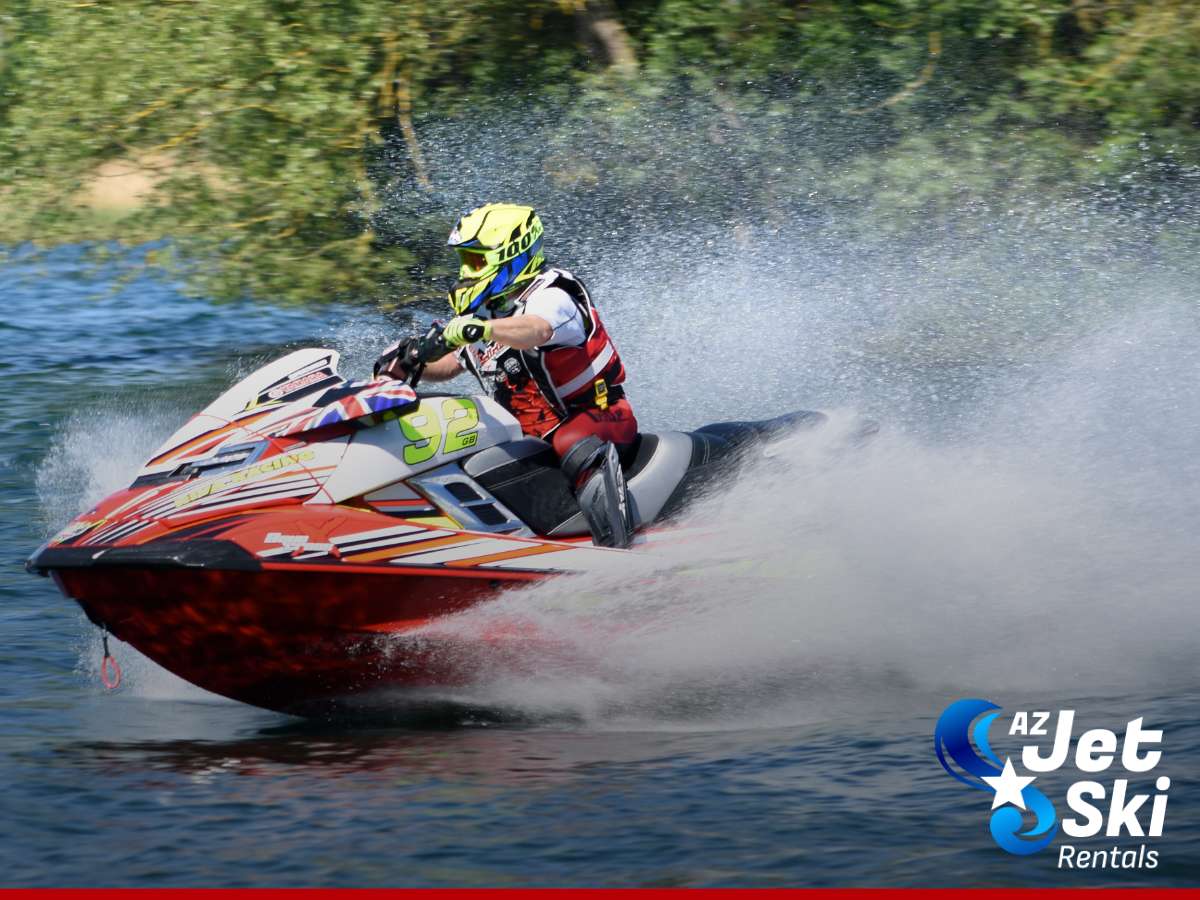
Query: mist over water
1025	520
1050	545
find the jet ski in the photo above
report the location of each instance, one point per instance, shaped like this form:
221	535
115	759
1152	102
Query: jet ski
280	546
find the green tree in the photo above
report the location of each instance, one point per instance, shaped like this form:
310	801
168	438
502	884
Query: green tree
293	149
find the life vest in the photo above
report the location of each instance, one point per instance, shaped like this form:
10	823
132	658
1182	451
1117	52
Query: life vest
544	386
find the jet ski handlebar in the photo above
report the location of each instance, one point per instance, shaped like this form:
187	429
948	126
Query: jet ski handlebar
415	353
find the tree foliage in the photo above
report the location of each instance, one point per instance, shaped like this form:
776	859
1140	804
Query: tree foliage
307	150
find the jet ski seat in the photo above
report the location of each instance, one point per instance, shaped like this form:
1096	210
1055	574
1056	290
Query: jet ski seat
524	476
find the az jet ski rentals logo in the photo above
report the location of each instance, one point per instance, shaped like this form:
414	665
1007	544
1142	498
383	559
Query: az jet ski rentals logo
963	743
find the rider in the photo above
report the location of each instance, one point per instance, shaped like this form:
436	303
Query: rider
544	351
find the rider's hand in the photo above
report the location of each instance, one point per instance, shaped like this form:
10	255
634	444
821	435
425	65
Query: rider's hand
454	334
398	360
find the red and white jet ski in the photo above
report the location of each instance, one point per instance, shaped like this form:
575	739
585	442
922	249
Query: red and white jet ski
278	547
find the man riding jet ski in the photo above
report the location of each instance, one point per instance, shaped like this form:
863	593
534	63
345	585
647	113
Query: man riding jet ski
532	336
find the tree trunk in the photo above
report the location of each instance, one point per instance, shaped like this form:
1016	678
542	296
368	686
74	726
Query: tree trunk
601	29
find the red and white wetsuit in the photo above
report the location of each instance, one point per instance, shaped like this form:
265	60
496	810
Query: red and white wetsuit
569	387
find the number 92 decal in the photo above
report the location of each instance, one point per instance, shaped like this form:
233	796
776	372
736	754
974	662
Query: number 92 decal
451	431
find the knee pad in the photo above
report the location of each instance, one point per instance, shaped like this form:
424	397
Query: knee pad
585	454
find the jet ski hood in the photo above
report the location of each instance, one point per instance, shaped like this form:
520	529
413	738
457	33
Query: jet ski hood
299	393
275	437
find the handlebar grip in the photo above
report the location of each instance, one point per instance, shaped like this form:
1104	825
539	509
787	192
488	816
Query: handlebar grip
417	352
431	347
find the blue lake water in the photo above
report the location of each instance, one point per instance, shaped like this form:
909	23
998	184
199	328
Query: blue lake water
774	730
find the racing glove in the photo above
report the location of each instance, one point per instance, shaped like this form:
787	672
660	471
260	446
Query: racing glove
466	330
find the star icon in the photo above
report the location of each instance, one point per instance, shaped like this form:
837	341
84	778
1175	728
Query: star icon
1008	785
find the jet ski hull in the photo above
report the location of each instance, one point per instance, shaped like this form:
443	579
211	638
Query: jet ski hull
291	638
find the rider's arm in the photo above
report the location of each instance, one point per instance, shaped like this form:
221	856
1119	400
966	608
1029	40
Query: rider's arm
443	369
521	332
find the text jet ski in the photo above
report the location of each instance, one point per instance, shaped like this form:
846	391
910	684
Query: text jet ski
275	548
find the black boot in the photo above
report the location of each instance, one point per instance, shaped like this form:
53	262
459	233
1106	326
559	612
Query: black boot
593	468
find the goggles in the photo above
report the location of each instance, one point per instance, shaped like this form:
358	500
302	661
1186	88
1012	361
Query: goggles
473	260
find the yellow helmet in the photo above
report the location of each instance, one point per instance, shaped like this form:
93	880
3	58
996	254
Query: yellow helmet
499	248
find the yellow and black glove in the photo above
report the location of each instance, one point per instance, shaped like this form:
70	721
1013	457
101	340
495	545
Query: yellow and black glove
466	330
